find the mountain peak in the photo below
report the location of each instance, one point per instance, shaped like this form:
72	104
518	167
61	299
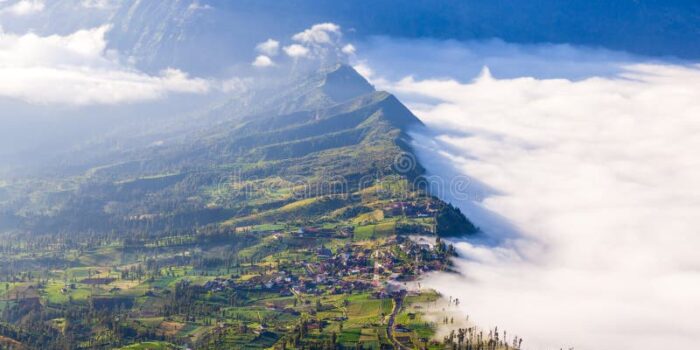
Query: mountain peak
342	83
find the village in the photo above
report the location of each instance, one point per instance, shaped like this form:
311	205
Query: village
351	268
349	279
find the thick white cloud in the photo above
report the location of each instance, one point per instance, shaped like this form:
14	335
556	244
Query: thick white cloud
349	49
321	42
77	69
296	51
263	61
269	47
591	190
319	34
23	8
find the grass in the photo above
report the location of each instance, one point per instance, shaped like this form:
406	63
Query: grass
150	346
369	335
371	217
254	314
351	335
364	310
371	232
366	232
310	208
150	322
7	287
54	295
421	327
269	245
298	204
268	227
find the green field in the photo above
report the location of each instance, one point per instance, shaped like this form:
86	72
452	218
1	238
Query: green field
150	346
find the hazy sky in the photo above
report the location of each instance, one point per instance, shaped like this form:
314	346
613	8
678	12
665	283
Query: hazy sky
78	68
592	185
60	89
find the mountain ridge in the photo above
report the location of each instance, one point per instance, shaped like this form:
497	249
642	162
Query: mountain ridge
236	227
349	131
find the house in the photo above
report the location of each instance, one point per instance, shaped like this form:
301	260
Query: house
316	232
401	329
324	253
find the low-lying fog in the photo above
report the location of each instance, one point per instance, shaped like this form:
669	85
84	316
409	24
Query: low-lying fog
585	175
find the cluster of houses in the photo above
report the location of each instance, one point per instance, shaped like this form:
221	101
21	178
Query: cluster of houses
349	269
322	232
410	209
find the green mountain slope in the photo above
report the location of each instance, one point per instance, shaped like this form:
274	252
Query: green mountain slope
283	218
326	135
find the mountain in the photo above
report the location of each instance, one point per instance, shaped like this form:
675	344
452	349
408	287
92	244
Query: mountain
289	215
327	137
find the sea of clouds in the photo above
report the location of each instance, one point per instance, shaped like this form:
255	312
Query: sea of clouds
584	176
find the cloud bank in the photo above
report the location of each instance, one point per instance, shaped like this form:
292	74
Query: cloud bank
592	187
395	58
77	69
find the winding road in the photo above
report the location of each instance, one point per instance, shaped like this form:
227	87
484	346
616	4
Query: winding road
398	303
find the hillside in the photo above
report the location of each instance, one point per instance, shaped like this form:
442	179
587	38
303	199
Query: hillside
314	136
288	223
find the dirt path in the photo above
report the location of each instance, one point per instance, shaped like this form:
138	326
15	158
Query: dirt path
398	303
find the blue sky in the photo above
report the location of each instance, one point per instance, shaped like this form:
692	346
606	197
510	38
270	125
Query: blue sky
161	33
